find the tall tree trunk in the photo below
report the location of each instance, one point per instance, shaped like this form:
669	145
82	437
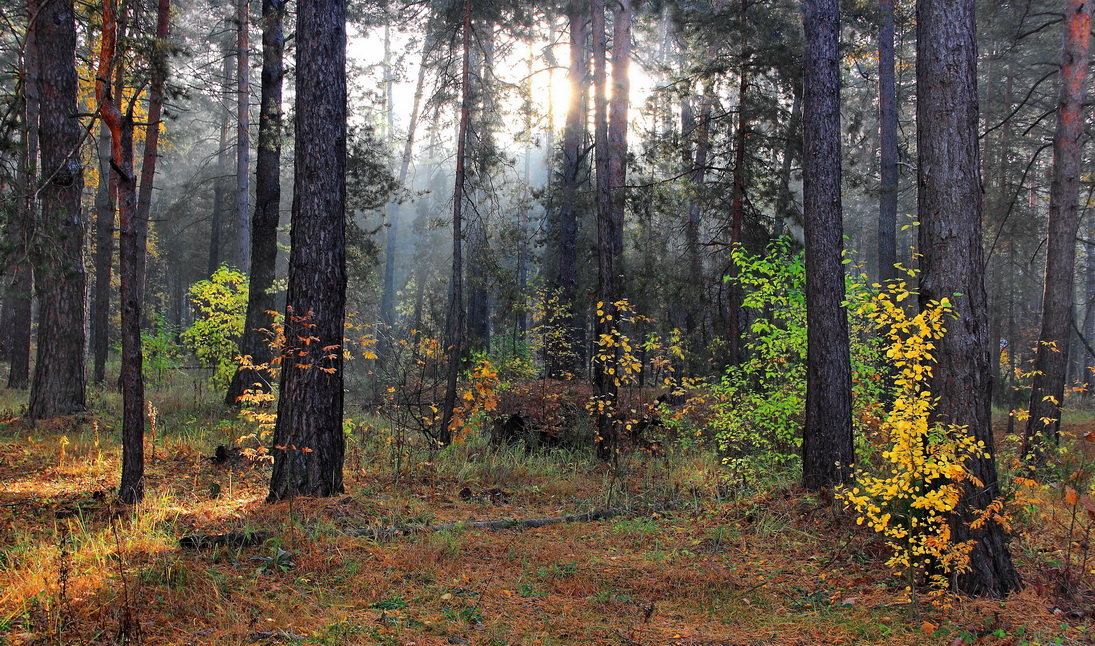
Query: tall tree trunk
483	158
388	316
827	450
572	176
243	140
142	214
220	188
391	237
18	299
454	318
309	446
58	386
611	157
120	124
1089	312
793	142
255	341
737	205
700	130
104	257
1048	390
622	14
952	266
887	124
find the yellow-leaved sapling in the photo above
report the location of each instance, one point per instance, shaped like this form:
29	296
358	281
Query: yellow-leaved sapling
911	495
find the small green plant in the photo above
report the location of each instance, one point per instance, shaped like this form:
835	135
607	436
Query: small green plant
221	303
758	405
279	560
162	351
390	603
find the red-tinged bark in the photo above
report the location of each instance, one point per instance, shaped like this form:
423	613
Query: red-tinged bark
58	385
255	341
309	445
121	161
952	266
827	449
1048	390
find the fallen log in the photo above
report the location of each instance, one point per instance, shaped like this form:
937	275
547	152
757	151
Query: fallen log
391	531
230	539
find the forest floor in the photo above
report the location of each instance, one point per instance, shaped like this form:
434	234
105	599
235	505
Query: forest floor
763	565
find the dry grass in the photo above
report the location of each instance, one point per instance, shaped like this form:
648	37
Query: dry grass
766	567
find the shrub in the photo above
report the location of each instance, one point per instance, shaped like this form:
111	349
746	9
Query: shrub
221	304
910	496
757	407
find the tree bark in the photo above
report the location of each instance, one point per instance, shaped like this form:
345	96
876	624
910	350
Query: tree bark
952	266
58	386
1089	313
391	236
104	258
120	124
388	299
791	149
1048	390
572	176
827	450
220	190
611	157
483	157
737	206
887	124
700	129
454	318
309	445
18	299
243	139
255	341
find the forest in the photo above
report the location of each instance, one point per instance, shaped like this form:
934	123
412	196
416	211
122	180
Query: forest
622	322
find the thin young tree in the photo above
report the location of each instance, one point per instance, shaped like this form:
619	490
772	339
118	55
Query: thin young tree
309	447
827	449
388	316
952	266
133	218
255	341
454	317
58	385
1048	390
